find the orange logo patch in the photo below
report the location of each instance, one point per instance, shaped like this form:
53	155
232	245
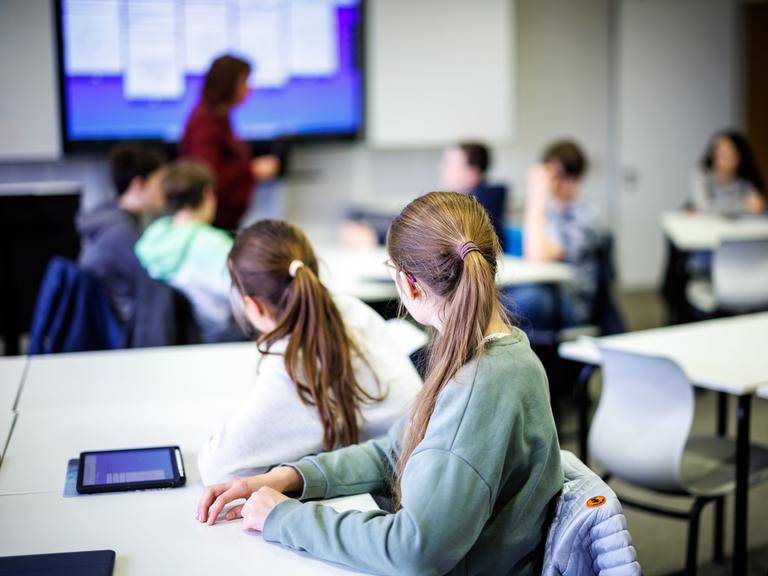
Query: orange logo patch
595	501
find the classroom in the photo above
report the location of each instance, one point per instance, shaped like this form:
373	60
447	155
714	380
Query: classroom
385	287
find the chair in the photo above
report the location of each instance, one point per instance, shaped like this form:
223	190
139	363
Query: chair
588	534
72	313
640	433
739	279
162	316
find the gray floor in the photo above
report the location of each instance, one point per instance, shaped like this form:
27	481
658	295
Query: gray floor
661	542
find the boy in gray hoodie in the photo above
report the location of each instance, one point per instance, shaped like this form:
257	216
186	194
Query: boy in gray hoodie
109	232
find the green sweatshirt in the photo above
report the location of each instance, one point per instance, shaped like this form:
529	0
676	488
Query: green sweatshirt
475	492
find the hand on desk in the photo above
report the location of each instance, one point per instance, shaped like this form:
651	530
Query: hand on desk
276	481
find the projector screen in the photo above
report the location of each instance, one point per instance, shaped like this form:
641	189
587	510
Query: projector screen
133	69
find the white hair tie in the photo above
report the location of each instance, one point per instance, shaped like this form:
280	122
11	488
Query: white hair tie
294	267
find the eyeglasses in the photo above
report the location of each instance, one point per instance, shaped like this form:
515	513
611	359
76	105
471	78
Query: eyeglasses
392	266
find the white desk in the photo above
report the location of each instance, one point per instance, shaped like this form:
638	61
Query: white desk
11	377
705	231
763	392
361	272
726	355
44	441
179	374
152	532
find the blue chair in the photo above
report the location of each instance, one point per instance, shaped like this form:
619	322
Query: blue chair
72	313
588	534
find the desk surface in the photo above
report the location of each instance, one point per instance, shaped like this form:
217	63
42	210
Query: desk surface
705	231
11	375
178	374
43	441
152	532
727	355
361	272
763	392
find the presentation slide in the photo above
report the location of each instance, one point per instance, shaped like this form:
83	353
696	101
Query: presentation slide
133	69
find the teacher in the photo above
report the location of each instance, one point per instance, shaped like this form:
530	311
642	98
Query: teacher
208	137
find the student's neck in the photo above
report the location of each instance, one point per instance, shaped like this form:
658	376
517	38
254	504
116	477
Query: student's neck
186	216
129	203
497	325
724	176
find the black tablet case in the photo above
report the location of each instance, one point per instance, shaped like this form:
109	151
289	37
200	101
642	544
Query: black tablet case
94	563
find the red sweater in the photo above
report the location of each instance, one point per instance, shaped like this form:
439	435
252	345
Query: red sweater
208	137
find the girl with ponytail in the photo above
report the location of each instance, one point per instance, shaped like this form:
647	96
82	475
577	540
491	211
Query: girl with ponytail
473	468
330	374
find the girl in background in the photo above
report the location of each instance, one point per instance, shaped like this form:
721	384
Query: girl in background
729	181
331	374
474	467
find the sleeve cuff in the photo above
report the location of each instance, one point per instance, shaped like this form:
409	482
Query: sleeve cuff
315	482
271	529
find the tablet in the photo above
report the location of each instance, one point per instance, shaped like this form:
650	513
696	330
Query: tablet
95	563
134	469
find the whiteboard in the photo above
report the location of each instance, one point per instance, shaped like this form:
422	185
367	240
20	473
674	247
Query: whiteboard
29	118
439	71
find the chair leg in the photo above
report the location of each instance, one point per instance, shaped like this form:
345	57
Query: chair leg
691	562
717	552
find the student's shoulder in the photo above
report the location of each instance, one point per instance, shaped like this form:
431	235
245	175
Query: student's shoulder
213	238
357	314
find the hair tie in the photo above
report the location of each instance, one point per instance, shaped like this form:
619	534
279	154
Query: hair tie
294	267
466	248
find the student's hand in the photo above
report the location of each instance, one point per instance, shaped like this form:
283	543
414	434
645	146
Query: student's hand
265	167
540	183
258	507
216	497
754	202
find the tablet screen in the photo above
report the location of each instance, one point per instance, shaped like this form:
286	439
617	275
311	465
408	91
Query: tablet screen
129	466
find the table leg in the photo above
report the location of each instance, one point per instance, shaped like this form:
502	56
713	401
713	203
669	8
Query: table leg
582	399
742	486
722	431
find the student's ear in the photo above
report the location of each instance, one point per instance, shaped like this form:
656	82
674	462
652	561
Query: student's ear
408	285
254	307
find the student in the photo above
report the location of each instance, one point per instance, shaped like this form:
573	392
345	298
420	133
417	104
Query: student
477	463
208	137
559	226
184	250
331	374
109	232
463	169
729	180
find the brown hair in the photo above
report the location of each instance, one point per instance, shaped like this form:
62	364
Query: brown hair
185	183
318	357
477	155
427	241
570	156
222	79
129	161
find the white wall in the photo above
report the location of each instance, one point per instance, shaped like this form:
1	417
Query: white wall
28	101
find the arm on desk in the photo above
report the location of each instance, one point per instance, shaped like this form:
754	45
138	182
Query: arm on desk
537	244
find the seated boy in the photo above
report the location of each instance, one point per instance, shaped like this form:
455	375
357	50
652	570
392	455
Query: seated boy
463	169
108	233
184	250
559	226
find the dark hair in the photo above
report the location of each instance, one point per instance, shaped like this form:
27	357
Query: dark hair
570	156
319	353
128	161
477	155
446	242
222	79
748	169
184	184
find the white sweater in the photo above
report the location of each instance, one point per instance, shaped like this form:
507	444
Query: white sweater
273	425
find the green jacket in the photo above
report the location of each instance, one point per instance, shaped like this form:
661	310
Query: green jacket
475	492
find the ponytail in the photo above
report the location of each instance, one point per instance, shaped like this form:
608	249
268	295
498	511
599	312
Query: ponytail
274	262
446	241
